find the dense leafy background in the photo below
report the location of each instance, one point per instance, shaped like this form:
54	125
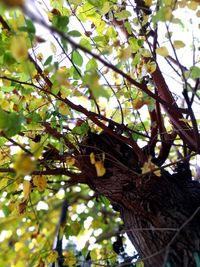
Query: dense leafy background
52	94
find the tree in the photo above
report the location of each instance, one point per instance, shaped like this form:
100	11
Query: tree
90	116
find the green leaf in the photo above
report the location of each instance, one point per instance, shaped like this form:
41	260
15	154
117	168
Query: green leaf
91	79
163	14
74	33
85	43
96	3
48	61
10	123
139	264
30	26
81	130
124	14
91	65
135	44
195	72
77	58
60	23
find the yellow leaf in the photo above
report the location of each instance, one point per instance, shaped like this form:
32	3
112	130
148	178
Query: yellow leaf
178	44
168	13
4	154
40	56
40	182
148	2
24	164
19	246
3	182
36	149
70	161
151	67
182	3
64	109
193	5
146	53
137	103
70	259
52	256
92	158
100	168
105	9
19	48
162	51
125	53
149	166
94	254
26	189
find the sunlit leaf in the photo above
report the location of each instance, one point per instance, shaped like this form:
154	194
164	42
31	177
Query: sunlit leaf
135	44
162	51
151	66
24	164
148	2
149	166
69	259
92	158
138	103
126	53
77	58
100	168
3	182
52	256
178	44
193	5
26	189
195	72
124	14
40	181
70	161
91	65
163	14
19	48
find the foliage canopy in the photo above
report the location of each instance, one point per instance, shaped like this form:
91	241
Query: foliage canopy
72	68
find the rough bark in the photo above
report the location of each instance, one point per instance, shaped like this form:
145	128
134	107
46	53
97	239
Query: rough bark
160	214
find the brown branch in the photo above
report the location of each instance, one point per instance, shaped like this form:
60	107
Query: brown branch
154	132
52	131
15	143
176	117
78	178
193	119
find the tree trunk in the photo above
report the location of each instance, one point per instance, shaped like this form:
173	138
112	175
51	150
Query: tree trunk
160	214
